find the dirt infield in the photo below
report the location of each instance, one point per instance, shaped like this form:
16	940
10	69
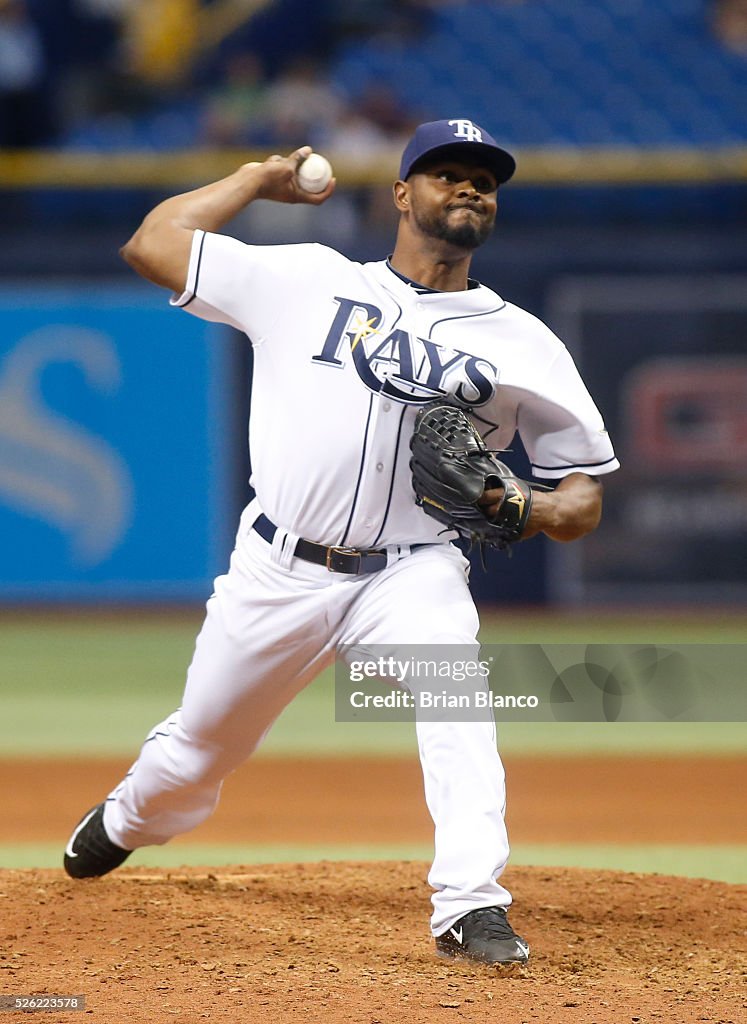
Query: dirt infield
369	800
349	942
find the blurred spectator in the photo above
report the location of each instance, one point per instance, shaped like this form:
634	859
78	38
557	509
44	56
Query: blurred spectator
356	141
106	9
162	37
25	114
381	105
235	110
302	106
399	19
376	126
92	80
730	24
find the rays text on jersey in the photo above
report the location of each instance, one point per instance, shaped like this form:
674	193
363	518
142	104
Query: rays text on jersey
401	365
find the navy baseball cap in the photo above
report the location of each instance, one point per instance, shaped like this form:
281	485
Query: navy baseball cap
457	137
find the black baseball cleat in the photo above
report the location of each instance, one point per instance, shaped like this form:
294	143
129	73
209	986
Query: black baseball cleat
91	852
483	935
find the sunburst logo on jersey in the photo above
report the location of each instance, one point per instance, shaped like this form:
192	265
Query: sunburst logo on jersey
363	330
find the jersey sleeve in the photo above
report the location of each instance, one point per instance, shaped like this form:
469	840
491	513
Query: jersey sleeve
561	428
245	286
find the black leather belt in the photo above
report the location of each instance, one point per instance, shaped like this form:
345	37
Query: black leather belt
336	559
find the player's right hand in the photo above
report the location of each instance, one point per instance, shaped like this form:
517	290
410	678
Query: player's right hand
276	179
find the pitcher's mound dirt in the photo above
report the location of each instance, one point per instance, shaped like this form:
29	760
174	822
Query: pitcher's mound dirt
348	942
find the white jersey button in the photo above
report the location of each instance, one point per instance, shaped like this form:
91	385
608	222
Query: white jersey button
379	467
386	406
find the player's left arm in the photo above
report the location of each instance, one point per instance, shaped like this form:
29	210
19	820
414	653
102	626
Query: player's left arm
572	509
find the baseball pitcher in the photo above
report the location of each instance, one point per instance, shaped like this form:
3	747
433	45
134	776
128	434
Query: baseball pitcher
369	382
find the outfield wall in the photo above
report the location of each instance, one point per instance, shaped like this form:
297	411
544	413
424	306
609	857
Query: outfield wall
116	445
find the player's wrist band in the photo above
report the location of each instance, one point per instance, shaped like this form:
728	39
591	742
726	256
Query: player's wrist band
336	559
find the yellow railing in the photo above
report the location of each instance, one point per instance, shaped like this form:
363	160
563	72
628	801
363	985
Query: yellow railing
536	167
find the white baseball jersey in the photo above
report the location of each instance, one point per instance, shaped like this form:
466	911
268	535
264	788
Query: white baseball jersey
346	353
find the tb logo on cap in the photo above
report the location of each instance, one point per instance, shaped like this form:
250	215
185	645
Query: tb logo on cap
467	131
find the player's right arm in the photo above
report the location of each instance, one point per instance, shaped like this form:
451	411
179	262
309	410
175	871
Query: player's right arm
160	248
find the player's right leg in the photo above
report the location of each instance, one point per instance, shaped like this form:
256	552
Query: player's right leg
262	641
421	609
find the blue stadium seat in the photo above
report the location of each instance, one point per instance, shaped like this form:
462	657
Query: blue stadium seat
593	72
540	72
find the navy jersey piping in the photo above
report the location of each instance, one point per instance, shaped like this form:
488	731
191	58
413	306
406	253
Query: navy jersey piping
360	472
197	273
399	430
424	289
575	465
391	481
365	445
421	289
465	316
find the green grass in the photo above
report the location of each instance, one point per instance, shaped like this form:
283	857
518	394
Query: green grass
94	684
721	863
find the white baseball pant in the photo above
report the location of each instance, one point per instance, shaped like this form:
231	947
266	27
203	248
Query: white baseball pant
271	626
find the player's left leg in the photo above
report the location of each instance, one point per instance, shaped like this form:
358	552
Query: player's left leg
419	605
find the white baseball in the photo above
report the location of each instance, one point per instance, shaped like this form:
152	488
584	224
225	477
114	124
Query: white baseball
314	174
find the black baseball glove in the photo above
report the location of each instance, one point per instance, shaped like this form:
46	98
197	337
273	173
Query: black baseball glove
452	467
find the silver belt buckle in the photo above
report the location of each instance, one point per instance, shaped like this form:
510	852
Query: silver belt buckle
331	552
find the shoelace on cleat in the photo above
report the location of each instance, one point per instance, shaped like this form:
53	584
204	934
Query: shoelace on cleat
493	923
